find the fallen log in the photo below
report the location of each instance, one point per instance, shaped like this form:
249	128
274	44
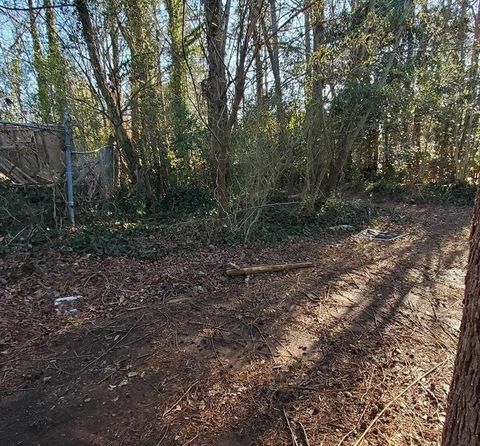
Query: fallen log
265	268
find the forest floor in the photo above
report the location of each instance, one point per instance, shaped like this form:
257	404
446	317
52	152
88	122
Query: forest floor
357	350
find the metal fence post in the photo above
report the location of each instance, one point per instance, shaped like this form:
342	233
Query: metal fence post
68	164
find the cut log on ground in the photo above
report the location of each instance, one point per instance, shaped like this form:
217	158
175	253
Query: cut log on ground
266	268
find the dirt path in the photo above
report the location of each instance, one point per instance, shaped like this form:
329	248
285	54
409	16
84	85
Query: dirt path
171	352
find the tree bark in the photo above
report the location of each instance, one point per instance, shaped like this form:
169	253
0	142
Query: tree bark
274	56
220	120
55	66
352	134
316	134
178	69
369	150
266	268
39	65
258	60
111	101
462	424
470	122
145	96
216	92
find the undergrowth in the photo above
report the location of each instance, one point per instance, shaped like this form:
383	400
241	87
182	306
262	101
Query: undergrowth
182	219
35	215
280	223
29	214
434	192
151	240
141	240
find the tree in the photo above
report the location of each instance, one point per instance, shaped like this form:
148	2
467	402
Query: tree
473	101
462	424
316	132
221	118
39	65
215	90
274	55
109	94
178	69
49	65
145	100
55	66
356	125
313	93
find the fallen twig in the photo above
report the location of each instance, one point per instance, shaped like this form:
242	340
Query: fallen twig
169	409
266	268
379	415
265	341
304	432
191	439
292	434
354	429
163	436
93	361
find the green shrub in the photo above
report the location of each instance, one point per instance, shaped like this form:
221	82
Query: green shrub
337	212
277	223
457	194
189	200
390	189
29	213
102	240
434	192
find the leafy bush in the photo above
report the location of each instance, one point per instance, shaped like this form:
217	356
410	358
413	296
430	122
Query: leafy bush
31	213
355	213
189	200
103	240
280	222
441	193
390	189
457	194
140	239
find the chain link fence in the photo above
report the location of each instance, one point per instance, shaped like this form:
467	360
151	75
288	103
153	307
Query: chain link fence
34	174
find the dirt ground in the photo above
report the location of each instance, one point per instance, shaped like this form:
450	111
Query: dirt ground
356	350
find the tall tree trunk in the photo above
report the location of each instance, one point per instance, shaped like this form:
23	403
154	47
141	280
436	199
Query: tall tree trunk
416	123
352	134
109	96
258	59
462	424
417	148
178	74
146	99
56	66
216	91
460	60
220	120
274	56
473	99
39	65
387	165
317	156
369	151
307	37
17	77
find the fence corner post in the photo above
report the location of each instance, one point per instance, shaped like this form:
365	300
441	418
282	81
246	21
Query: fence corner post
68	167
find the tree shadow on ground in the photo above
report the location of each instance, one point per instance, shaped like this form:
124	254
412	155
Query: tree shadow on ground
225	364
337	357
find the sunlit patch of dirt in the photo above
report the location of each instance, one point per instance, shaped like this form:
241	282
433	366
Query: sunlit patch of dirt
171	352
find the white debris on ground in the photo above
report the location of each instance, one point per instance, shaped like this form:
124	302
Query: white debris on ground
341	228
66	299
65	305
374	234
